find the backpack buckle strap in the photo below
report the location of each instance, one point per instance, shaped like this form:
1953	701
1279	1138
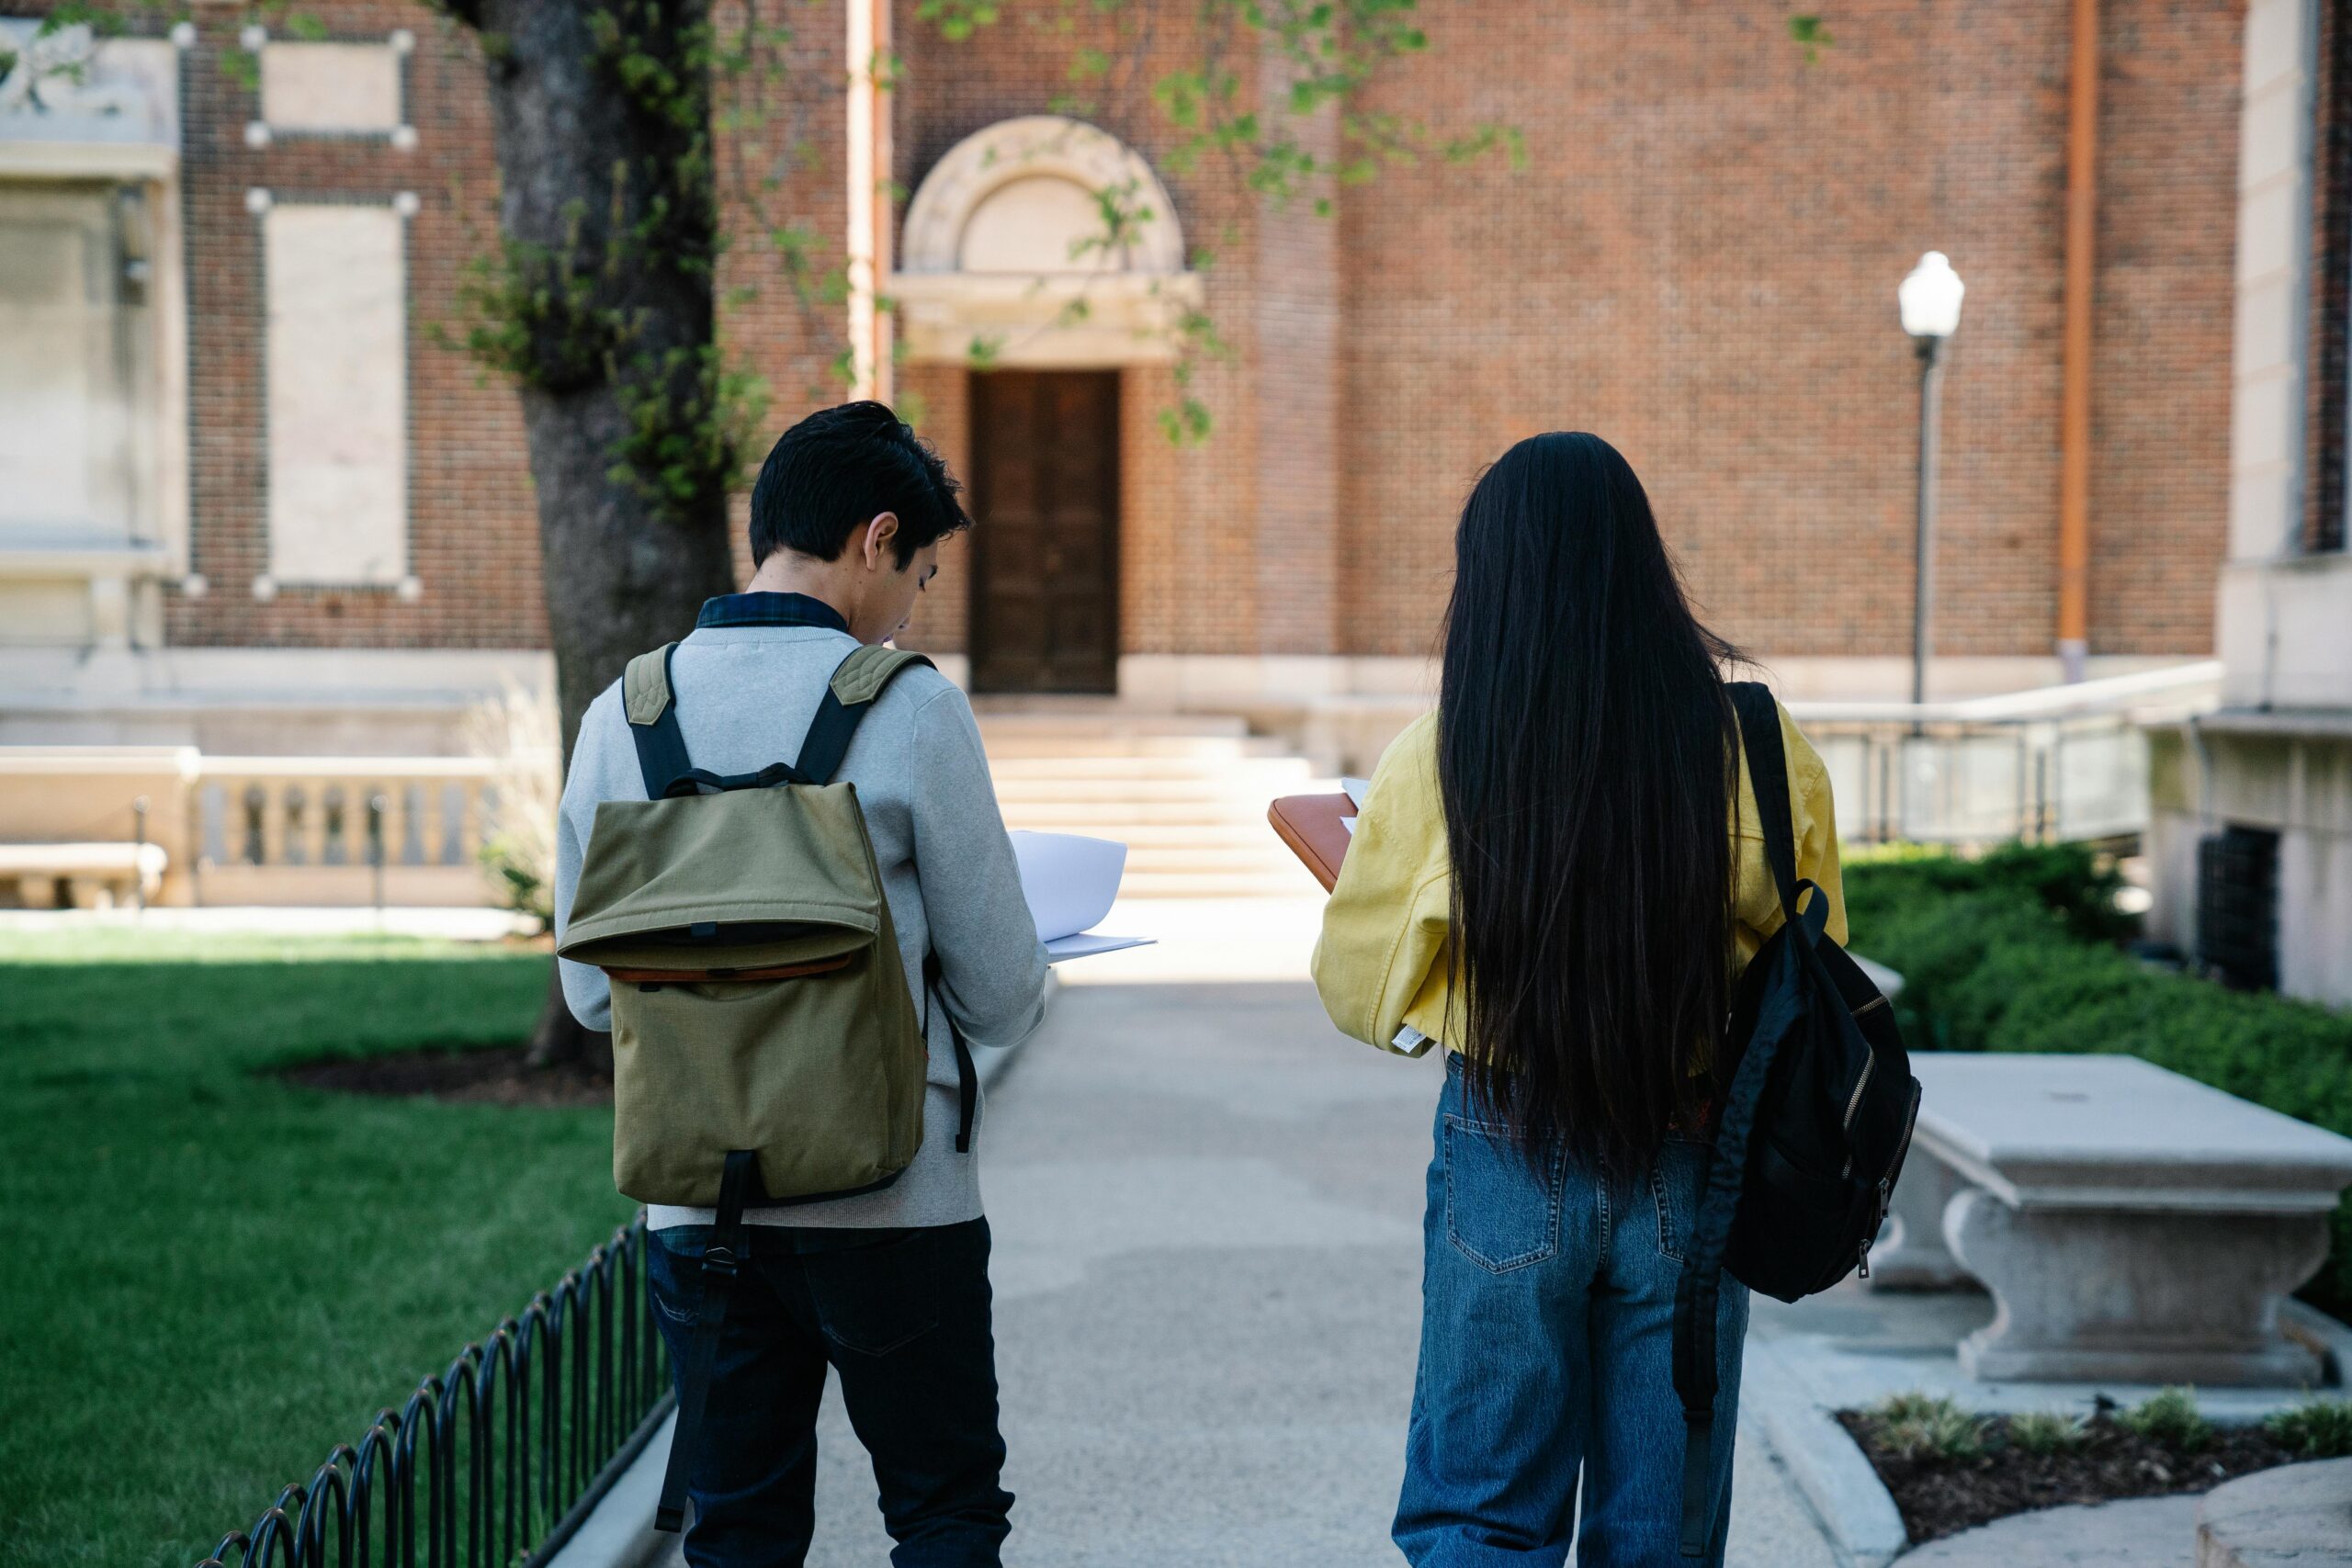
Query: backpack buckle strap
651	705
1698	1483
856	683
720	1260
968	1073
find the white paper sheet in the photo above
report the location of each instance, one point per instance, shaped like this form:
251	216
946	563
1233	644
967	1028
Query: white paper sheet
1071	882
1086	944
1357	789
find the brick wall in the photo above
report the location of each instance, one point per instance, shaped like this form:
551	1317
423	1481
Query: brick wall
473	535
1700	263
1697	261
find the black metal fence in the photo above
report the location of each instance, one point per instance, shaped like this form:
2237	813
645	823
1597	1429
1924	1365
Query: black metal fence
501	1456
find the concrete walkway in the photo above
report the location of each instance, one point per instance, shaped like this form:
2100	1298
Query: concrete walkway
1206	1206
2144	1532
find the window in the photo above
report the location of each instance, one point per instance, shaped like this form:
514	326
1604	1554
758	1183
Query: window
71	357
2237	907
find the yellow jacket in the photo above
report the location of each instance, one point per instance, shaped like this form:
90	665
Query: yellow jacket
1381	962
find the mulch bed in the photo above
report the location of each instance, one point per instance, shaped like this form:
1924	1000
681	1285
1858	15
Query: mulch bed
1940	1497
493	1075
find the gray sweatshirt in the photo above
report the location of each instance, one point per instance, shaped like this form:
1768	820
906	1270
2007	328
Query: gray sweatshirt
745	696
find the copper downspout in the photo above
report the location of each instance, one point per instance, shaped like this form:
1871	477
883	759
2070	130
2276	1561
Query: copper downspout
885	176
867	47
2075	416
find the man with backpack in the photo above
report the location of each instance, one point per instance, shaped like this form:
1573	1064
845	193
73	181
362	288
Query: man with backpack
783	883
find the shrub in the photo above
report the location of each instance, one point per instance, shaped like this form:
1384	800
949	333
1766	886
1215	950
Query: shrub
1926	1429
2317	1428
2070	881
2045	1432
1999	953
517	731
1912	1405
2169	1417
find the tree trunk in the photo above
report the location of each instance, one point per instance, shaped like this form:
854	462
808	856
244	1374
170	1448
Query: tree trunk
609	233
560	1038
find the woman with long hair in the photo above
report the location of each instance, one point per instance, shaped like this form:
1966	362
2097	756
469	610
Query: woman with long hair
1558	877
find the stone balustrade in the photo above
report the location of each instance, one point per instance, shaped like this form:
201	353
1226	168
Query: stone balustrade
272	830
319	830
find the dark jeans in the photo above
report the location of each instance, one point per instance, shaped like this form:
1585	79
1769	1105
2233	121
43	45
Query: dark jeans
903	1317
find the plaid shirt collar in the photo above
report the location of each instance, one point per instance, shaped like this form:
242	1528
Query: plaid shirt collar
770	610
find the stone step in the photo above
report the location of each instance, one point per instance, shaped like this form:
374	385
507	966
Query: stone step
1216	885
1114	721
1240	796
1163	841
1187	793
1270	856
1220	834
1111	819
1004	746
1224	772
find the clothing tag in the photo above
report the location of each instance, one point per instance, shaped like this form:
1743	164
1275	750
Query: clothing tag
1411	1040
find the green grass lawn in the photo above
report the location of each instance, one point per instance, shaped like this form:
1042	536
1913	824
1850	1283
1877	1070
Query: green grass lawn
210	1277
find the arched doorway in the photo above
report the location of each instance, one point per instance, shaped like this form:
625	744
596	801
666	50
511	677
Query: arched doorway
1043	257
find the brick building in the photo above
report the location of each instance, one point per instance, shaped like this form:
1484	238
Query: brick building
250	502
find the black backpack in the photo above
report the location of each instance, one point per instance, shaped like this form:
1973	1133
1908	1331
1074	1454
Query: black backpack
1816	1104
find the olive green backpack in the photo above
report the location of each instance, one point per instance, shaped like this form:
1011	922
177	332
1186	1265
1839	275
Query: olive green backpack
765	1049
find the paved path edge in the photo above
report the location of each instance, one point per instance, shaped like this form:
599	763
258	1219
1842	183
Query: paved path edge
619	1533
2295	1514
1828	1467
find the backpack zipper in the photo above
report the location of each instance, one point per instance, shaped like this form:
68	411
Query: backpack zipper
1853	1104
1854	1100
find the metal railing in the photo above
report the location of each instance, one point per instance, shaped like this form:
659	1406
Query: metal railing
502	1455
2054	764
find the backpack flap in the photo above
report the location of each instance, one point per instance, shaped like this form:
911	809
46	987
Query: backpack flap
756	877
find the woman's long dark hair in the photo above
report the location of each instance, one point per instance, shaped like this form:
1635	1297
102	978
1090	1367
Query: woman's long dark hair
1588	755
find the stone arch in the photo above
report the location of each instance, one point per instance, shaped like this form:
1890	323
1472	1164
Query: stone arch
1026	196
1008	236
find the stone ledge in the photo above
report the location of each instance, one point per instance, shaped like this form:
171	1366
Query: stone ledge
2298	1516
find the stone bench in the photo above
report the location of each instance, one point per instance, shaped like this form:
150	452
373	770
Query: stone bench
90	876
2131	1225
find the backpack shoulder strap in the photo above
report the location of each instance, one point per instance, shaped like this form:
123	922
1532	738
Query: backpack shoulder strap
650	704
1767	772
857	682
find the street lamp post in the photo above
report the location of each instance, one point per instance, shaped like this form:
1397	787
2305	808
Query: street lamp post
1929	302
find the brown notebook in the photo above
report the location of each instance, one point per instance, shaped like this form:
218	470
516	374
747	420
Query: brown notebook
1315	829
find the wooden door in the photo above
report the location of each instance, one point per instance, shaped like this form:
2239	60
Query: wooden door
1044	550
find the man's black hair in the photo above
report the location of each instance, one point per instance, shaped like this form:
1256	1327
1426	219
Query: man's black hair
838	470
